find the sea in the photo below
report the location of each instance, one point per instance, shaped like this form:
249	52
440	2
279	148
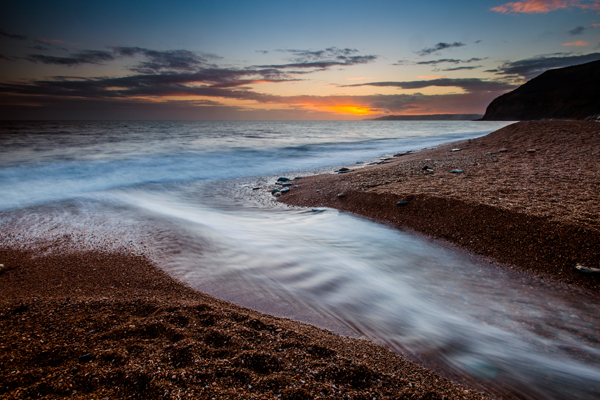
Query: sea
194	198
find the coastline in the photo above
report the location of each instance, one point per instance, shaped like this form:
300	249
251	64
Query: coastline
94	324
527	196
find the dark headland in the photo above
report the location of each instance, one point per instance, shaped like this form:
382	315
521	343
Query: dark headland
571	93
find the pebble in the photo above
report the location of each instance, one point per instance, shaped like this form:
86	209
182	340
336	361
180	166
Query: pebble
457	171
255	188
531	150
502	151
342	195
286	184
274	191
296	186
455	150
285	190
282	179
402	203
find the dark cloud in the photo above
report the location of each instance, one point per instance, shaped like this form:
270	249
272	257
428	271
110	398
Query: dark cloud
448	60
577	31
83	57
9	35
172	60
438	47
322	59
467	84
462	68
532	67
5	58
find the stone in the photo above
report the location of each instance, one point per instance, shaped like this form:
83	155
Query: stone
286	184
255	188
284	190
344	169
402	203
296	186
531	150
457	171
342	195
425	168
282	179
455	150
502	150
274	191
587	270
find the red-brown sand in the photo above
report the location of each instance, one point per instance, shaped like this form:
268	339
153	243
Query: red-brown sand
528	195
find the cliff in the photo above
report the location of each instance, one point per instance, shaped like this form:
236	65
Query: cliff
562	93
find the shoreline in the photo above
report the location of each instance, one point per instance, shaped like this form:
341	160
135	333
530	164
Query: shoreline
526	196
98	325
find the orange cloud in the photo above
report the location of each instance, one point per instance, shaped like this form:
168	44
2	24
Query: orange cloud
578	43
545	6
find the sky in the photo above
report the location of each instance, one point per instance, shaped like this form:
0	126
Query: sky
280	60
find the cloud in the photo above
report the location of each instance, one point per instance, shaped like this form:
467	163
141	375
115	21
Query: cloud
438	47
5	58
462	68
83	57
322	59
545	6
448	60
467	84
578	43
173	60
576	31
532	67
9	35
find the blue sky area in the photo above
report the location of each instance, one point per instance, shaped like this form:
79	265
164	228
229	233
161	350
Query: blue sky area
280	59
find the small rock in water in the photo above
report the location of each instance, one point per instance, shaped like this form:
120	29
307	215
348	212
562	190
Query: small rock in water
274	191
255	188
457	171
455	150
402	153
285	190
282	179
298	177
344	169
402	203
286	184
317	210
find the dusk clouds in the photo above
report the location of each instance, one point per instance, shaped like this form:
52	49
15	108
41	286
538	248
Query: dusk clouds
545	6
438	47
207	61
532	67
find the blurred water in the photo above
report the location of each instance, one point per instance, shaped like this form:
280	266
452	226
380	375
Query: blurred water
483	323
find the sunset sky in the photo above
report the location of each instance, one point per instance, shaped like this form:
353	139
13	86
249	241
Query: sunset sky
290	60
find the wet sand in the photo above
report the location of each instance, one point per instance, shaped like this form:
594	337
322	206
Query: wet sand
528	196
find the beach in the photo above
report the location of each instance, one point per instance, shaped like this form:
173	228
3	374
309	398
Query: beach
105	324
526	195
96	325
